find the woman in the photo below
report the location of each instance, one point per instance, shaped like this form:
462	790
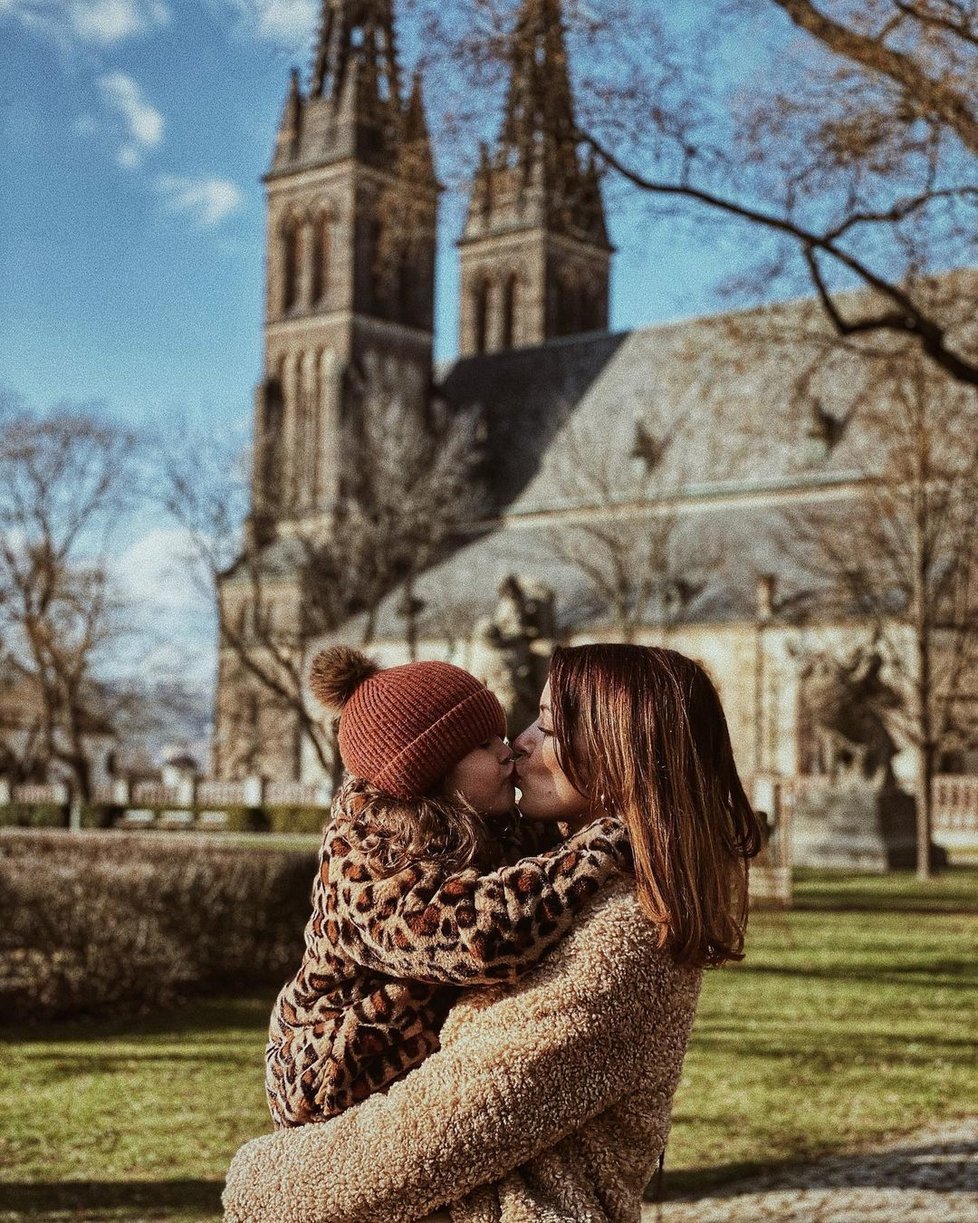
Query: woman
550	1099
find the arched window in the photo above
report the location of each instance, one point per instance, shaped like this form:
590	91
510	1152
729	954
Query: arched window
379	271
481	335
290	265
567	306
405	286
320	258
271	439
509	310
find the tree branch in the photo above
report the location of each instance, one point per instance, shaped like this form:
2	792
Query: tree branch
942	100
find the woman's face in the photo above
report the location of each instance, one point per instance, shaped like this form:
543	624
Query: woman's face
484	778
547	793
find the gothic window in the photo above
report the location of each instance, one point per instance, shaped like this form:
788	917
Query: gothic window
510	305
568	306
405	287
320	257
592	316
271	429
581	312
378	258
290	265
482	296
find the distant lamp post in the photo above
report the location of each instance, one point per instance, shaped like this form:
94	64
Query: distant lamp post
409	607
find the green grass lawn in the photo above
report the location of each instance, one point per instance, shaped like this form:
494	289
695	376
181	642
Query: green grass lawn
853	1018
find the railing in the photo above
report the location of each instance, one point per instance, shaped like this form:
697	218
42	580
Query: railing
955	804
154	794
294	794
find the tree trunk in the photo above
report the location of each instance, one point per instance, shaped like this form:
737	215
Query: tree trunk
410	619
925	810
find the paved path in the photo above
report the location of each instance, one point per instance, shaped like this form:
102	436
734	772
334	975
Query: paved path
929	1177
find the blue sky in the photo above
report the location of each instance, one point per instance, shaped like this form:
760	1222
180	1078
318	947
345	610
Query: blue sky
134	135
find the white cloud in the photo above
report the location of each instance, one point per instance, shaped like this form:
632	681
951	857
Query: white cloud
287	23
159	568
207	200
102	22
166	589
109	21
142	122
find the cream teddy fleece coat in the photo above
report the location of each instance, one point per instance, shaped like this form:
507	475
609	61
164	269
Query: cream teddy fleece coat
548	1102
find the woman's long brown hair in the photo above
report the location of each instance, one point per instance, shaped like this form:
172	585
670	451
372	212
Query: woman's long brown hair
641	733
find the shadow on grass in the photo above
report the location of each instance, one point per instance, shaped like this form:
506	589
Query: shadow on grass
83	1197
942	974
953	891
197	1017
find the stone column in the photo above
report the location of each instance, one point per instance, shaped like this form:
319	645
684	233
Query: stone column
305	240
327	430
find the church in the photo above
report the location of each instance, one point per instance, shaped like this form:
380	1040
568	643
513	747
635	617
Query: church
638	479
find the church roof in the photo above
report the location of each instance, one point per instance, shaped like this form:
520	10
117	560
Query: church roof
715	425
698	408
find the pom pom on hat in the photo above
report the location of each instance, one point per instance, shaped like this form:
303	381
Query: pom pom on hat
336	673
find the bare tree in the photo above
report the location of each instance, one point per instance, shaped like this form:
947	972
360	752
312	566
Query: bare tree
417	487
204	486
847	163
66	482
903	555
622	533
410	489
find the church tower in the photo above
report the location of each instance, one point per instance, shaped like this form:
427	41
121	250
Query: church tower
535	255
349	313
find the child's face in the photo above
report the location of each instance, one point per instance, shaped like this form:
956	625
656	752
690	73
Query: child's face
484	778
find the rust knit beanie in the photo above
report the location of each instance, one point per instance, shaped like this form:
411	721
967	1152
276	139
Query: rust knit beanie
403	728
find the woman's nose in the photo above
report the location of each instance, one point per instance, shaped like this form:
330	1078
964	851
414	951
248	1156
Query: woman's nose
523	742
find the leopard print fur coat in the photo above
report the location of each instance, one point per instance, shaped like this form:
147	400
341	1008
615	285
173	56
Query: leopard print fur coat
385	954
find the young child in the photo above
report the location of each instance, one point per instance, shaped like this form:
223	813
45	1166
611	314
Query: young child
423	883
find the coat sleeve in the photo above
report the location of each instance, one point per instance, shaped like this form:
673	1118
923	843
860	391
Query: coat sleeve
471	928
522	1072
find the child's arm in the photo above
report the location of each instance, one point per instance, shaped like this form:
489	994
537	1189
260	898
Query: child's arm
467	928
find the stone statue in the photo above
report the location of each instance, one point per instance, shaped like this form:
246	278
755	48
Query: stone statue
846	703
512	647
854	816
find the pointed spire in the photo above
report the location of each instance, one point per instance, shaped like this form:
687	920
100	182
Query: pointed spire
416	148
537	150
539	102
290	125
353	104
361	33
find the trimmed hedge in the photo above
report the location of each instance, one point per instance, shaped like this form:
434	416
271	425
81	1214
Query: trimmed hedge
297	820
34	815
91	923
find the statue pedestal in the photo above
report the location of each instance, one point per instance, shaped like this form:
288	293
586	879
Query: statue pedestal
855	825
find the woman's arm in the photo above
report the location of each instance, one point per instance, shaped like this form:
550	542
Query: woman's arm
516	1076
